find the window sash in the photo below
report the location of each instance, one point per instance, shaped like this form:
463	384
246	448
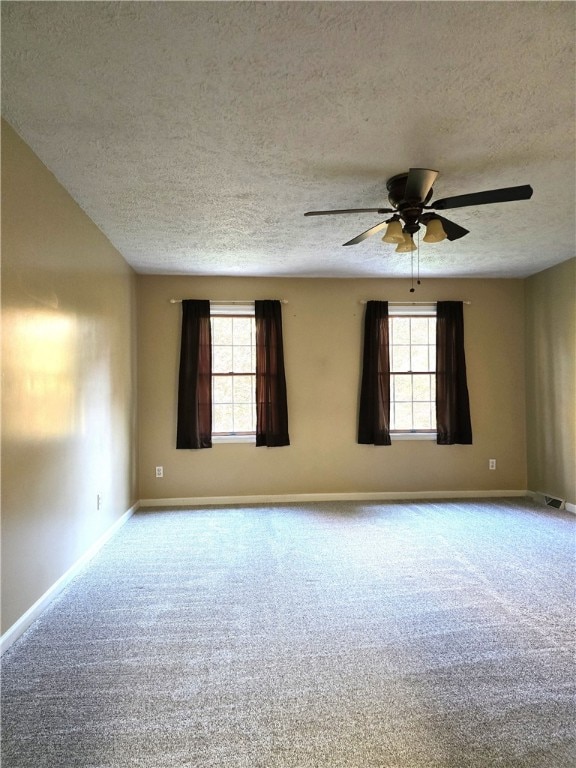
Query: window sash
406	410
244	311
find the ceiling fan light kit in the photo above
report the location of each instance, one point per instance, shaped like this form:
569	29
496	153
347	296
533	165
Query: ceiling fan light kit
394	233
408	245
410	194
434	232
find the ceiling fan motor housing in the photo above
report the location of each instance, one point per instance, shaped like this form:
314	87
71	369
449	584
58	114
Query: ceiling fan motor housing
396	186
409	210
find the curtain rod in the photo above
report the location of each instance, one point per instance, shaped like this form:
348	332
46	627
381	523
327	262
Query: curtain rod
179	301
411	303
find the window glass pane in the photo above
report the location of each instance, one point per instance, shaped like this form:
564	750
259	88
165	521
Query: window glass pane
422	416
400	358
241	359
243	389
221	389
221	330
222	419
419	330
221	359
420	357
243	330
243	418
402	388
422	388
432	330
400	327
402	416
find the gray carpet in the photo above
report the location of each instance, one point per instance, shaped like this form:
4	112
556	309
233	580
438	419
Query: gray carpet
329	635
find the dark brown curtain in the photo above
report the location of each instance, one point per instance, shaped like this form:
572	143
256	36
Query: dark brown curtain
195	378
374	415
271	402
452	403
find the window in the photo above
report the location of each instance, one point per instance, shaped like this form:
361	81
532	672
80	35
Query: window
233	370
232	358
412	369
414	374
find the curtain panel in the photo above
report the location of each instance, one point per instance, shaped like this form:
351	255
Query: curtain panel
374	413
452	402
271	400
194	427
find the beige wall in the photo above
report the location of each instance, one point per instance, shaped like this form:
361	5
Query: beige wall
551	381
322	335
69	429
68	375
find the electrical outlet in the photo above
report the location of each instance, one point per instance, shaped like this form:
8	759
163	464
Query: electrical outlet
159	471
491	463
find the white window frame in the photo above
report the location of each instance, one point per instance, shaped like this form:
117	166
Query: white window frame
240	308
412	310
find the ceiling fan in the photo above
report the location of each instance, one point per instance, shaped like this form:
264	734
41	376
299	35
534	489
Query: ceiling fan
409	194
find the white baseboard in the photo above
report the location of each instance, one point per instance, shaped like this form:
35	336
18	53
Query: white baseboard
20	626
201	501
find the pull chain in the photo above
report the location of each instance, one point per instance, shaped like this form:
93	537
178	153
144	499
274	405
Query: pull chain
412	289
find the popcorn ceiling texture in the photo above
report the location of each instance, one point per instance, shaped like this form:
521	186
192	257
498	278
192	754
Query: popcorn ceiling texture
195	135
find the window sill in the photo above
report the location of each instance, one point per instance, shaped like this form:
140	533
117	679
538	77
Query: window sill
413	436
251	439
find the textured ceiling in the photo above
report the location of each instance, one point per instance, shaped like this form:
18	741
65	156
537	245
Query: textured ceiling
195	135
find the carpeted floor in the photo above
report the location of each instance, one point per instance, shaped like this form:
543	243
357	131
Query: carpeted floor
328	635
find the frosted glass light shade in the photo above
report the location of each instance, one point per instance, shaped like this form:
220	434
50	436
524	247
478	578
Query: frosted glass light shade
407	246
434	232
394	233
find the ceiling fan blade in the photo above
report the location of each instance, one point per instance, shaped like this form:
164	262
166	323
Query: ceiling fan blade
453	231
419	183
505	195
350	210
364	235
